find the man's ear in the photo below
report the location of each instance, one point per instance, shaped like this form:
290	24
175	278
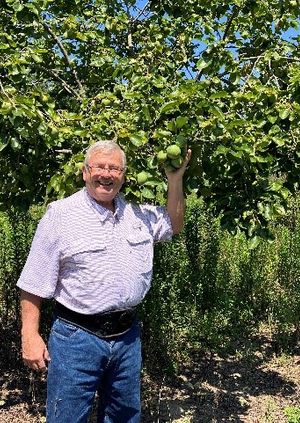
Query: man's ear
84	173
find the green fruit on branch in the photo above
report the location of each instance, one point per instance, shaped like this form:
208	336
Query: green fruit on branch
142	177
173	151
161	156
106	101
177	163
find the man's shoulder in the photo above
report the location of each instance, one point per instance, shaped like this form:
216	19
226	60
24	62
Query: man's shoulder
143	211
66	202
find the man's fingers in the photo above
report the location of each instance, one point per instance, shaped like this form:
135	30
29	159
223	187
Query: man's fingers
39	366
186	159
188	155
46	355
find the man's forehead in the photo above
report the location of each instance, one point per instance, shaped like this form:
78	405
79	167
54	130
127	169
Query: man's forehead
106	155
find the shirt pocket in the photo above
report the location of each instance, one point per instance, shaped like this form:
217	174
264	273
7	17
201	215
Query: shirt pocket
84	254
141	250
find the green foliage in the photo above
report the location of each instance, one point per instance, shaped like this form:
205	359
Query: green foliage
17	228
293	414
209	286
219	77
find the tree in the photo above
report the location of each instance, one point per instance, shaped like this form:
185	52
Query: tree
221	77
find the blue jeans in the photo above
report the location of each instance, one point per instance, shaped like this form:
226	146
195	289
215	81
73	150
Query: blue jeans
82	364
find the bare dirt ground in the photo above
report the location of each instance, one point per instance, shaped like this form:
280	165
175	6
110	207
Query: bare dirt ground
252	385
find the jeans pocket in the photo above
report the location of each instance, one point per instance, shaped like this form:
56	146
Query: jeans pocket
64	329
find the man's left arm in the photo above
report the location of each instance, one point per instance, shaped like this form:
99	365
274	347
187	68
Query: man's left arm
176	201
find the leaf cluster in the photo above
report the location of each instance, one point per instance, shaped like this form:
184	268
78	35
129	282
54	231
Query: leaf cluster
222	78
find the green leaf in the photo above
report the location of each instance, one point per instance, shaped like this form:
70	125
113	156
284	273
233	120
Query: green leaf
217	112
170	106
283	114
181	121
162	133
201	64
254	242
280	210
3	145
219	94
272	118
139	139
146	112
279	141
236	123
221	149
15	143
148	193
276	186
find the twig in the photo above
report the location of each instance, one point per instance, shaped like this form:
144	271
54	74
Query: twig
66	86
236	11
5	93
63	151
141	12
65	54
291	59
252	69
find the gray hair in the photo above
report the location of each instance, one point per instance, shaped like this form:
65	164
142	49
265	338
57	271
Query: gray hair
107	146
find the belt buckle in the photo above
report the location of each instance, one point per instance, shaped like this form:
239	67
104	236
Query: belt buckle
126	317
107	328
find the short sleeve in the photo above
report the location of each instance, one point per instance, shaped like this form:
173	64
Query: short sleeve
159	221
40	273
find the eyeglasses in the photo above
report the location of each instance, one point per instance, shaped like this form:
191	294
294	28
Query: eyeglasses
112	170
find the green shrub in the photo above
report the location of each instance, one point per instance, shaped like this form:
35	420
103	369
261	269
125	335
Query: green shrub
208	287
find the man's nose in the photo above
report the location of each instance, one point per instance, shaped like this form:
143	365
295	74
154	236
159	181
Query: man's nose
105	171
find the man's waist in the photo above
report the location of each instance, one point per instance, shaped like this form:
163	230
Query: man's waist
104	325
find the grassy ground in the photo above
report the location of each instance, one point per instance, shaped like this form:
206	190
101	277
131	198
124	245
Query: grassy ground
253	384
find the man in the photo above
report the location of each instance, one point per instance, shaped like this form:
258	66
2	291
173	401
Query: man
92	252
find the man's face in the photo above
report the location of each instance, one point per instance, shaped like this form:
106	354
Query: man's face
104	176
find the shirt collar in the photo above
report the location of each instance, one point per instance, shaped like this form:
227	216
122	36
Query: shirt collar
104	213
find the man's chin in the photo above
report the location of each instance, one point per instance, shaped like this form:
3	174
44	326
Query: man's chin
105	195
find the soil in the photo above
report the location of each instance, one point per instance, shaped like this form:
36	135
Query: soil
255	384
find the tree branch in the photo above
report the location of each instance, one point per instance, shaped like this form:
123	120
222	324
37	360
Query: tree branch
5	93
250	73
65	54
141	12
66	86
236	11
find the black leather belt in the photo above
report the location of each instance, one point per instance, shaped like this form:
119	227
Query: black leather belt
104	325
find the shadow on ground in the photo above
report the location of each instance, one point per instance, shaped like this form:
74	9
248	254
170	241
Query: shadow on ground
210	389
221	389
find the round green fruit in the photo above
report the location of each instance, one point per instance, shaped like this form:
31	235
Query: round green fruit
177	162
106	101
142	177
161	156
169	168
173	151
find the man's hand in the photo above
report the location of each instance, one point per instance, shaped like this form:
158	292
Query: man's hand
34	352
175	203
178	173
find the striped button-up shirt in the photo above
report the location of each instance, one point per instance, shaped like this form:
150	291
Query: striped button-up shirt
91	259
